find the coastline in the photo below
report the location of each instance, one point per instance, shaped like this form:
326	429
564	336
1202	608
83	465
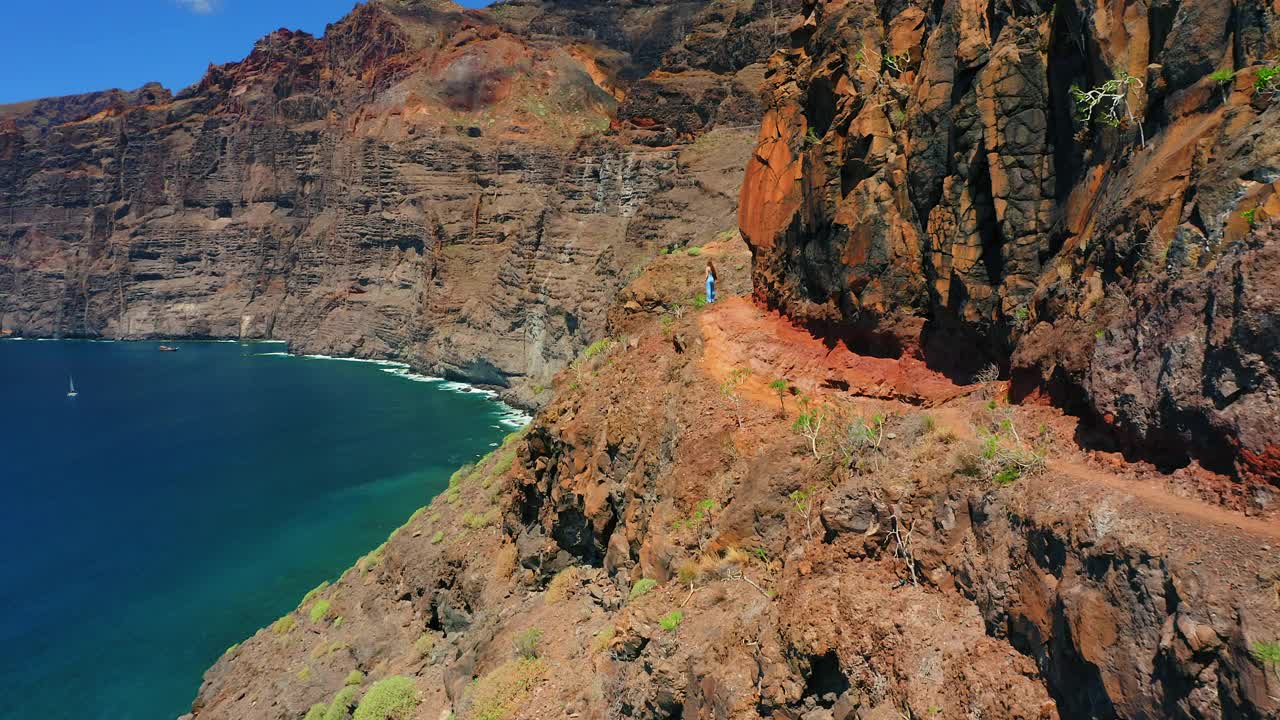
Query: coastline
515	415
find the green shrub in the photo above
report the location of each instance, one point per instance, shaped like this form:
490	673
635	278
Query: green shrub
355	677
811	138
283	625
424	644
304	674
1222	77
336	710
373	559
1267	82
435	539
1267	653
694	251
500	693
461	474
393	698
314	591
337	622
319	610
671	621
642	586
603	639
1250	216
598	347
476	521
527	644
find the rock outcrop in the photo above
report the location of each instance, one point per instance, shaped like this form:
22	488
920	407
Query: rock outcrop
424	183
1081	194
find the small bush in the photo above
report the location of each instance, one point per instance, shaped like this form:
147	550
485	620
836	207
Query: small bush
1250	216
283	625
1267	653
435	539
337	622
694	251
642	586
687	573
355	677
671	621
313	592
373	559
304	674
1267	81
500	693
393	698
476	521
603	639
319	610
460	475
1222	77
527	644
329	648
424	644
338	709
598	347
562	584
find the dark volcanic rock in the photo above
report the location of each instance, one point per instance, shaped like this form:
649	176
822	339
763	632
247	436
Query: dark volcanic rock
925	183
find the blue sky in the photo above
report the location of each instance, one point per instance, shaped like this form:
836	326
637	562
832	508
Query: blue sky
61	47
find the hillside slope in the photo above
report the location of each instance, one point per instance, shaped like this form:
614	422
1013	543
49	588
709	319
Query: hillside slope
661	543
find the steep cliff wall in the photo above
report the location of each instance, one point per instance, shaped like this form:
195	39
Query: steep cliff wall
1082	194
423	182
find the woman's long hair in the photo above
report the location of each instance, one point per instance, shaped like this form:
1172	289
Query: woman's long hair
711	268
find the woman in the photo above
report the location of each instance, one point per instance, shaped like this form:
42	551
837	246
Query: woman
711	281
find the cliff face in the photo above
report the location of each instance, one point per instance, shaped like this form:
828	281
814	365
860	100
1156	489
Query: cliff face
663	542
1081	194
423	182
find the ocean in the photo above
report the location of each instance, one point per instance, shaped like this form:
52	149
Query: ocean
184	499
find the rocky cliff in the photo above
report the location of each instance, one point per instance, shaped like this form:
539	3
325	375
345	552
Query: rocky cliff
1081	194
464	190
1004	321
666	540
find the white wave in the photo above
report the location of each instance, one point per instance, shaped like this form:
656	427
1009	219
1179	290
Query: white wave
371	361
509	417
407	374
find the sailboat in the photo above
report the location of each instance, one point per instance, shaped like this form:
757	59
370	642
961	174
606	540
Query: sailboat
72	392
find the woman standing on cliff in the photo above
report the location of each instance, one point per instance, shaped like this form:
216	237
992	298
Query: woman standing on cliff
711	281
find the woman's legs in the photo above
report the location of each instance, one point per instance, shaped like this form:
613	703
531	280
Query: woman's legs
711	290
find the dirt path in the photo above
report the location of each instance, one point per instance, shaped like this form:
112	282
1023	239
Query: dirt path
738	335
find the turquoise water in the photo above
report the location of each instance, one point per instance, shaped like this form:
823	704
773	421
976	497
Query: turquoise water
185	499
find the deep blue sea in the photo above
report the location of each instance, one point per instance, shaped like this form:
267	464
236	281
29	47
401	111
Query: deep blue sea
185	499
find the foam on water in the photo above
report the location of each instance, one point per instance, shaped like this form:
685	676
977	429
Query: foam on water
511	417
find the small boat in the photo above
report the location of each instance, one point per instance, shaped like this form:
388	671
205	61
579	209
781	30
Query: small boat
72	392
167	348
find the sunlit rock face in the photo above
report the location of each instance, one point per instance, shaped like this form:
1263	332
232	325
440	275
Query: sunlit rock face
461	189
1060	190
